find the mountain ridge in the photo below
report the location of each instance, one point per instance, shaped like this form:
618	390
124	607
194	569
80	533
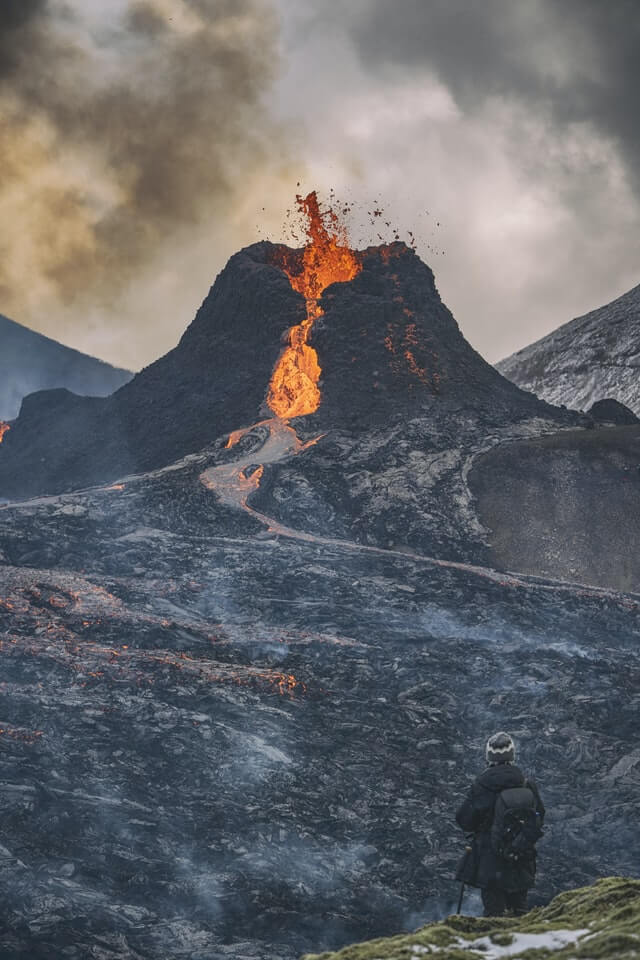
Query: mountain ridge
31	361
592	357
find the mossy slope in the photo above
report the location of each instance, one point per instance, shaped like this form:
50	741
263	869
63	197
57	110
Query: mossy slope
593	923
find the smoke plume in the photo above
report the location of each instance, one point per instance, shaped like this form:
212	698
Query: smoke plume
119	133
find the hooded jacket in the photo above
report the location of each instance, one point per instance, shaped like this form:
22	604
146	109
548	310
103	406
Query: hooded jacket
483	867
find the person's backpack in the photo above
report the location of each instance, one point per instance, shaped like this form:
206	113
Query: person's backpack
516	824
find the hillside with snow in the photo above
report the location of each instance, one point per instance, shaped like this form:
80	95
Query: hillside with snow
585	360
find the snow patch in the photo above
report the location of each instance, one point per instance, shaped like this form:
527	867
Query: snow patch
521	942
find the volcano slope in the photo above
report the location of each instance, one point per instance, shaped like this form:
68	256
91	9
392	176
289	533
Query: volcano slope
241	698
218	743
406	406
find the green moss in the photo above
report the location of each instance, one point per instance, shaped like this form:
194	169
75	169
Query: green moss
610	909
502	938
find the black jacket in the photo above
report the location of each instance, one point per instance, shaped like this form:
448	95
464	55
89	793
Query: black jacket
482	867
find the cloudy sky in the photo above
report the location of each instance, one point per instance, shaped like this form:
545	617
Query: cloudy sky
144	143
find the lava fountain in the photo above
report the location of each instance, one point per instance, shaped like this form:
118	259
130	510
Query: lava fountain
293	390
326	258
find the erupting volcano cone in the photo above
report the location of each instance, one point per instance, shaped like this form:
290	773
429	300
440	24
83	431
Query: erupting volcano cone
327	259
388	350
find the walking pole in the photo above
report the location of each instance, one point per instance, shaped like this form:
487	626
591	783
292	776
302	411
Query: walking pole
467	851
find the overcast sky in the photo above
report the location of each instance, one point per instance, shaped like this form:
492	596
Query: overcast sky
144	143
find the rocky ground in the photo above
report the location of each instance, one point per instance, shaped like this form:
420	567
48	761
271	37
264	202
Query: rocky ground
218	741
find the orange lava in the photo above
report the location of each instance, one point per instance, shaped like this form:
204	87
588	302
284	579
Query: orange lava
235	437
327	259
3	429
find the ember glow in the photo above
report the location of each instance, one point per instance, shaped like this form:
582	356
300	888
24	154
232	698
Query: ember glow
327	259
3	429
402	342
53	619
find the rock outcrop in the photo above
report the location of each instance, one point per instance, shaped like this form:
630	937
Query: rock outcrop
612	412
565	505
601	921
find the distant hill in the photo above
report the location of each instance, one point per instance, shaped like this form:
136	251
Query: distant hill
590	358
30	361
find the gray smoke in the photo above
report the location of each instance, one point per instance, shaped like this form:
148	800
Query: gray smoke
120	131
574	61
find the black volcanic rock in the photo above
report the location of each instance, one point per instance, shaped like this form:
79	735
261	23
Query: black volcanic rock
30	361
216	745
232	735
565	505
387	346
612	411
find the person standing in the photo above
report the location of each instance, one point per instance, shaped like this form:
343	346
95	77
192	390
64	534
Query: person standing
504	812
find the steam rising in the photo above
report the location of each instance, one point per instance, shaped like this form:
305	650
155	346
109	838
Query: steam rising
117	133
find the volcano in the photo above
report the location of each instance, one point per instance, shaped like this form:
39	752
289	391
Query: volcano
387	349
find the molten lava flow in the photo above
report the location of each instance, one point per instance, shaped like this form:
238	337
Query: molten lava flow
294	391
3	429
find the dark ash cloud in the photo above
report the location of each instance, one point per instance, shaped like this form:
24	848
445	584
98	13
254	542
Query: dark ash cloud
575	61
118	130
16	13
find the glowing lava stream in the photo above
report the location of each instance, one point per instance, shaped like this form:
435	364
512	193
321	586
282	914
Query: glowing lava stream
234	482
293	389
326	259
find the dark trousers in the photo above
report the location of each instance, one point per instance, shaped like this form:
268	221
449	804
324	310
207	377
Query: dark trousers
496	901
